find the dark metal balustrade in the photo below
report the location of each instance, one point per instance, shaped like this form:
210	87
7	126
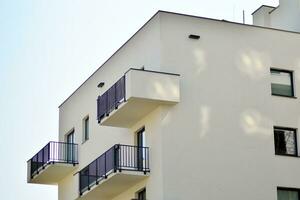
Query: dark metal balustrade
54	152
111	99
117	158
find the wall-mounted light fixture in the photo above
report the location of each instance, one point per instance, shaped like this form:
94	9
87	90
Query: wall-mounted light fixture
100	85
195	37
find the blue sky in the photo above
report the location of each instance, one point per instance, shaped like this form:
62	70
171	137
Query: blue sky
48	48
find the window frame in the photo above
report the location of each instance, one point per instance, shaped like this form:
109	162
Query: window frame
291	73
295	138
67	134
142	191
289	189
84	138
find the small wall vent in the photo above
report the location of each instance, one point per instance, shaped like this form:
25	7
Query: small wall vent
100	85
195	37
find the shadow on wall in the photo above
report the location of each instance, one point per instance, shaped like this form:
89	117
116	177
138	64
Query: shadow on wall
254	123
252	64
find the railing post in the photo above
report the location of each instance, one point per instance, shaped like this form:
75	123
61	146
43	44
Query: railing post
79	176
31	167
88	177
115	99
97	171
72	154
105	172
49	151
43	159
116	157
124	87
106	111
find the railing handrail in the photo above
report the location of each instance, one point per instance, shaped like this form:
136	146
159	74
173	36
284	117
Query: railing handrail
114	146
127	145
48	144
151	71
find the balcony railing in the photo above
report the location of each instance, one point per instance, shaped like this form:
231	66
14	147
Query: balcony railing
53	152
111	99
117	158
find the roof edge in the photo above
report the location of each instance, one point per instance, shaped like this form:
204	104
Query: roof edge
230	22
181	14
110	57
274	9
262	7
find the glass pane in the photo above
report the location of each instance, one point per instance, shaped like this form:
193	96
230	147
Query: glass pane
287	195
70	137
281	83
69	147
285	141
142	195
86	129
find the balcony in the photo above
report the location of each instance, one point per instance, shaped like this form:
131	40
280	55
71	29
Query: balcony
52	163
115	171
135	95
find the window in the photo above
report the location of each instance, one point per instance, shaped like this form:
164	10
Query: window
70	151
141	195
287	194
86	129
285	141
141	152
282	83
70	137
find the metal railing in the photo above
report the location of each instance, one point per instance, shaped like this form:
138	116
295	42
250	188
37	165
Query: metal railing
117	158
54	152
111	99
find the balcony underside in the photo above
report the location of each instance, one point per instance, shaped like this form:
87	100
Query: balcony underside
131	111
52	173
114	185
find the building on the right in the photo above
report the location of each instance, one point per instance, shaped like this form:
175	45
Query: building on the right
285	16
188	108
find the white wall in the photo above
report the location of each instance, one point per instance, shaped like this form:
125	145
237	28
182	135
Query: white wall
261	17
218	142
286	16
143	49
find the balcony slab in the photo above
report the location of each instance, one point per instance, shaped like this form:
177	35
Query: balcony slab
115	184
52	173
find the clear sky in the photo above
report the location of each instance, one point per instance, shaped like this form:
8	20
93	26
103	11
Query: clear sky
48	48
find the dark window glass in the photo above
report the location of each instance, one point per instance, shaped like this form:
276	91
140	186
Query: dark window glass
287	194
86	129
285	141
141	153
142	194
282	82
70	137
70	151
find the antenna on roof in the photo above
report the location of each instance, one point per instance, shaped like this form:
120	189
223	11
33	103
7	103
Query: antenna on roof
243	16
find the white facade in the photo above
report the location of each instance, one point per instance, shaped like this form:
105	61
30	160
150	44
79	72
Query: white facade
209	130
285	16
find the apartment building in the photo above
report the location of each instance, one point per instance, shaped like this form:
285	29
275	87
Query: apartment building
188	108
